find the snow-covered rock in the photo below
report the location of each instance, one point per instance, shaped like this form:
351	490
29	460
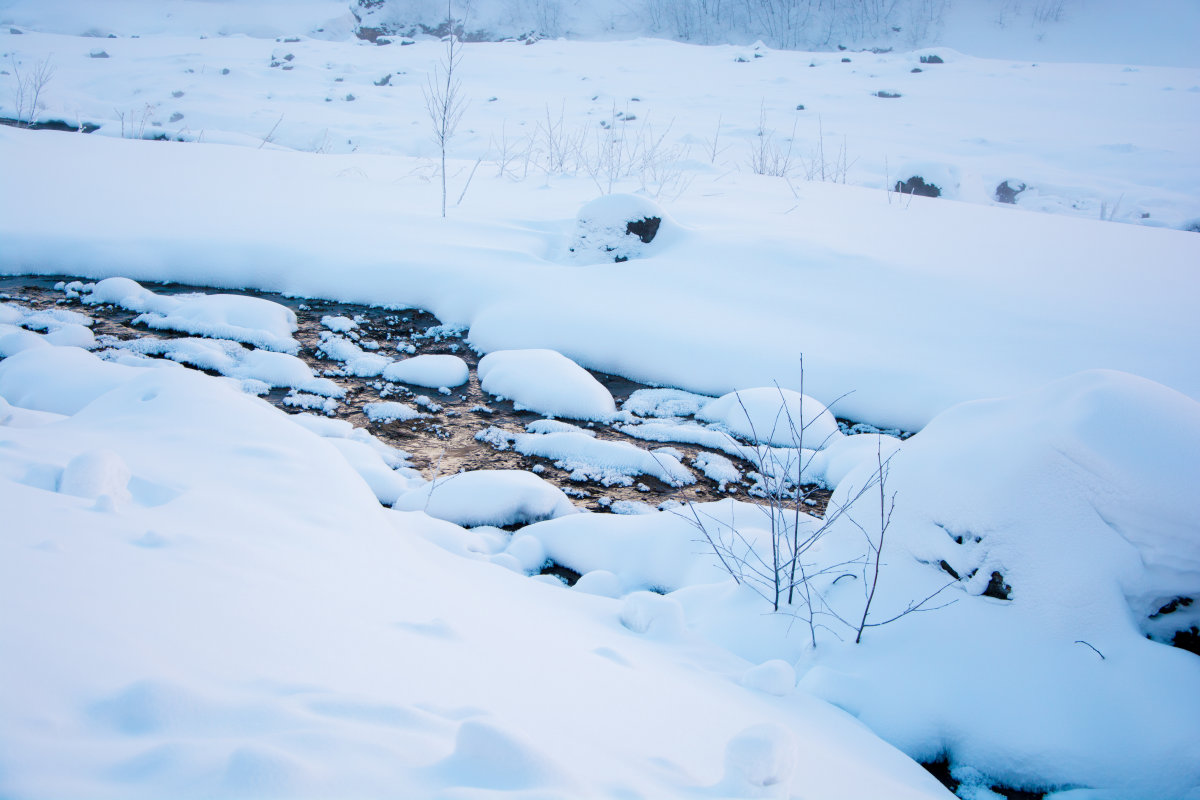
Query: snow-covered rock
547	382
430	370
488	497
618	227
774	416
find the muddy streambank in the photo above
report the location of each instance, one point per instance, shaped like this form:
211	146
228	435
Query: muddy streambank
442	443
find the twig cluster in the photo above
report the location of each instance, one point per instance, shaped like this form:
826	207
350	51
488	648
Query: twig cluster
778	563
30	83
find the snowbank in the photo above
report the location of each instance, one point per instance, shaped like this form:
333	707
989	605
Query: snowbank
254	623
911	309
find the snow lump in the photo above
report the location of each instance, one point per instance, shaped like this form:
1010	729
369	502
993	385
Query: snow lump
617	227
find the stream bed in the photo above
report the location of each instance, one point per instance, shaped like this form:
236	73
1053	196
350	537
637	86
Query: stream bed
443	441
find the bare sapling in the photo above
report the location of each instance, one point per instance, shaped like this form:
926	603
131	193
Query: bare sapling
444	99
783	567
31	82
768	157
873	561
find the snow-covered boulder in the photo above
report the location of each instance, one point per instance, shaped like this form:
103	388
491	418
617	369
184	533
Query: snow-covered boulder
429	370
253	320
618	227
770	415
488	497
546	382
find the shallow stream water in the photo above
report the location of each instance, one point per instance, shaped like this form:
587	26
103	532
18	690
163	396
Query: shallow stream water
443	442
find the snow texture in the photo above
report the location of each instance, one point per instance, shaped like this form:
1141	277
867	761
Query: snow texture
210	598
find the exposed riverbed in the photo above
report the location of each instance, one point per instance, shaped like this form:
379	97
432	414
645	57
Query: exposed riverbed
442	442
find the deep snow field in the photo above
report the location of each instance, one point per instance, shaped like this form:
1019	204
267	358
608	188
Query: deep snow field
204	596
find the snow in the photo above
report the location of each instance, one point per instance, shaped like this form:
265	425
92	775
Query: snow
546	382
663	403
252	320
236	361
358	361
775	677
59	379
786	464
717	468
773	416
338	324
432	371
62	327
587	458
488	497
94	474
235	610
391	411
248	621
602	233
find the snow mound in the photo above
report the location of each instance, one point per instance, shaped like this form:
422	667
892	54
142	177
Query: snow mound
61	327
358	361
664	403
786	464
1109	509
13	340
59	379
252	320
391	411
488	757
846	453
611	463
618	227
652	614
488	497
96	473
760	761
431	371
237	361
547	382
775	677
1067	515
387	482
664	551
11	313
770	415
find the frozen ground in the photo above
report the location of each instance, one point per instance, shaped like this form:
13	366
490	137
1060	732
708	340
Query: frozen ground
205	596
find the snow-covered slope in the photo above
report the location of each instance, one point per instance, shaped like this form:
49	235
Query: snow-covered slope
247	620
204	597
904	306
